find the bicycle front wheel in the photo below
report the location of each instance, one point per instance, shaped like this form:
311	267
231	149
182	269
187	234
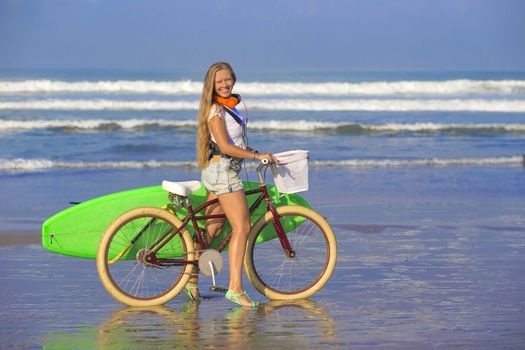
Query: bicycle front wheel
122	258
280	276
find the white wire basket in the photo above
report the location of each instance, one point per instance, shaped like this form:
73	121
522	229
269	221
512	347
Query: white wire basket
291	176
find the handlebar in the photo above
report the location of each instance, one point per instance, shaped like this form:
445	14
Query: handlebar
264	164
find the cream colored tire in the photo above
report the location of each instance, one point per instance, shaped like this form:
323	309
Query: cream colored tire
180	277
280	277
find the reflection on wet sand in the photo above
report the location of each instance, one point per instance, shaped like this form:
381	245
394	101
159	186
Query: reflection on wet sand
150	326
287	324
305	310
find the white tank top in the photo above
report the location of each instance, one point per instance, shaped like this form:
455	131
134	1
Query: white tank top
234	131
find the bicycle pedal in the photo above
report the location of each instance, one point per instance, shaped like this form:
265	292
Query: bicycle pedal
218	289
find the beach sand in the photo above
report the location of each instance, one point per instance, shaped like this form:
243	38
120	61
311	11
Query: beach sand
416	269
394	287
22	238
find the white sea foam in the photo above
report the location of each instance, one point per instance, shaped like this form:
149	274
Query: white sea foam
396	105
90	124
23	165
32	165
97	105
183	87
396	88
271	125
436	127
375	105
187	87
397	163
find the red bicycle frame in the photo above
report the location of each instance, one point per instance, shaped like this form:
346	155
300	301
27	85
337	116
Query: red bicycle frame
199	233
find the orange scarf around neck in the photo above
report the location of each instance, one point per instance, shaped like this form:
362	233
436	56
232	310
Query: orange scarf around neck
229	102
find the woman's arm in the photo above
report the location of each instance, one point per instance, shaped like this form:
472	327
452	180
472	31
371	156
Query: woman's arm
218	129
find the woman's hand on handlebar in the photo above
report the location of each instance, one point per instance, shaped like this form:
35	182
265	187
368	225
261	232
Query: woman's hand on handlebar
268	156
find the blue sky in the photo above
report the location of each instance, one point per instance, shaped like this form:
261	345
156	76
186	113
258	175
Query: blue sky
264	35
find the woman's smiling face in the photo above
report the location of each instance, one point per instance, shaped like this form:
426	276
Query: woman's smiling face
224	83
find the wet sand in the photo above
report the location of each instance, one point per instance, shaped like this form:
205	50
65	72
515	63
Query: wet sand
394	287
22	238
417	269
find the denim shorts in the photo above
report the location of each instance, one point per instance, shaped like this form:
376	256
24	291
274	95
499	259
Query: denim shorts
223	176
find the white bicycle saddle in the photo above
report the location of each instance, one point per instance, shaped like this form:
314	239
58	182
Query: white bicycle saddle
184	188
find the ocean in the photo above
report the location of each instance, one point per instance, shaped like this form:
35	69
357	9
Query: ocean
135	128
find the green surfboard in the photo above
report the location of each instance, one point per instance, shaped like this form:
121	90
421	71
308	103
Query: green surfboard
77	230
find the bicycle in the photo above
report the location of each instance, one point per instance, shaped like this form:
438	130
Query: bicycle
146	256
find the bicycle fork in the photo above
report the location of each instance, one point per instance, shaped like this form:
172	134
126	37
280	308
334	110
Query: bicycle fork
285	243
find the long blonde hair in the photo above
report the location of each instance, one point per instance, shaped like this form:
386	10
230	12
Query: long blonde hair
206	103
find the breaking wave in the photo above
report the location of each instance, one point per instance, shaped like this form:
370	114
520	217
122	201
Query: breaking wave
94	124
371	105
459	87
131	125
38	165
395	163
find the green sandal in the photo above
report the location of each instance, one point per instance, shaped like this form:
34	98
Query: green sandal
234	297
188	288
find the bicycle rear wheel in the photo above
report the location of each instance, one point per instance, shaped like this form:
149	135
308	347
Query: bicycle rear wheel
122	258
281	277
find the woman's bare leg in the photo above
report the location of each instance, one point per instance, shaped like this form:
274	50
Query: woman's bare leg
213	227
193	283
235	207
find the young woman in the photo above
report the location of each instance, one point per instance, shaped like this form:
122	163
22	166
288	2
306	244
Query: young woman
221	148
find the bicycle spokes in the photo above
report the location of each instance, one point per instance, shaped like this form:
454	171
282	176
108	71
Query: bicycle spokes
144	259
280	275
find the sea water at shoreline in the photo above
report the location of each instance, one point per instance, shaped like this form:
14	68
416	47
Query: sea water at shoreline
85	126
420	174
